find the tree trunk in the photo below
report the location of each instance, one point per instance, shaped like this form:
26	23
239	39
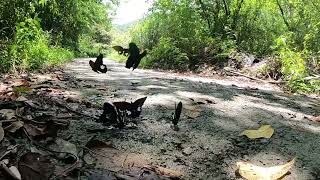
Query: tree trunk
236	15
226	8
283	15
205	15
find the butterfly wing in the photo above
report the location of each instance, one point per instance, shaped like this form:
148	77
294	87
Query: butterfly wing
136	107
117	48
177	114
109	114
92	65
122	105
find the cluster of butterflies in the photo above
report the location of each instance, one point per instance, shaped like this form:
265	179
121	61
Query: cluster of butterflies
133	61
117	113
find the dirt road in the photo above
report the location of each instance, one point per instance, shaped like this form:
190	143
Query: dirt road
216	111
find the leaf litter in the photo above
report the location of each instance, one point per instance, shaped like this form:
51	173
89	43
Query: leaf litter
36	108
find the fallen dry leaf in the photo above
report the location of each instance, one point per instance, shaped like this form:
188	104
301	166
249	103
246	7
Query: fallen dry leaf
64	146
42	131
20	82
1	133
7	113
13	127
192	112
22	99
33	130
168	172
16	172
253	172
35	166
265	131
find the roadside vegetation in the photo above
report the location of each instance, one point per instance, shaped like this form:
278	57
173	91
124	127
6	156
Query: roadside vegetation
184	35
40	33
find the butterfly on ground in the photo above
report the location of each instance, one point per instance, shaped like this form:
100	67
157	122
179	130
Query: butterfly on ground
117	112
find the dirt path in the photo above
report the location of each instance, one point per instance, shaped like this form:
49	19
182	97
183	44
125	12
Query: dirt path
208	144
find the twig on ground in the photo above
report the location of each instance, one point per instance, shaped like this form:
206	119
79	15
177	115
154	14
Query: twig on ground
253	78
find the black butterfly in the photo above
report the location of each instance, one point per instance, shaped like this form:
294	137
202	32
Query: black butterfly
116	112
177	114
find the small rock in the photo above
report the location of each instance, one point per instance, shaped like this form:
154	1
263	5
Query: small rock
187	151
264	140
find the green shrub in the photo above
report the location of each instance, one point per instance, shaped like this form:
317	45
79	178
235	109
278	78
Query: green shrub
87	47
59	56
30	49
166	55
293	67
4	56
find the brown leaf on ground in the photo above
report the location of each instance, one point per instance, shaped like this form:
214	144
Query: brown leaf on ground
168	172
192	112
61	145
253	172
22	99
16	172
1	133
3	88
7	113
20	82
33	130
265	131
42	131
34	166
13	127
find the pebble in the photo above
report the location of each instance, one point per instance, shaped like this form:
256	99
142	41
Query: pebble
187	151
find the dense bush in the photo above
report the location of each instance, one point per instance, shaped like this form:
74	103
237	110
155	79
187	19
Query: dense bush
166	56
207	31
39	33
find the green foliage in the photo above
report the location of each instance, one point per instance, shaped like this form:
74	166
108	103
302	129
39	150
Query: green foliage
120	37
207	31
166	56
39	33
30	48
88	47
293	67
